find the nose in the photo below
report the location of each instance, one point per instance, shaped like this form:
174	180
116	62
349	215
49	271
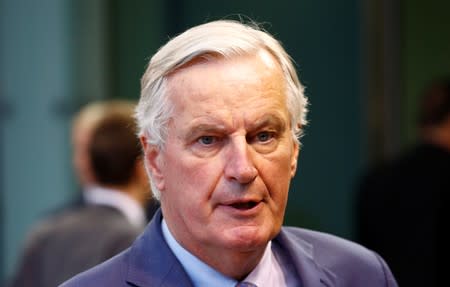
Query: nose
239	164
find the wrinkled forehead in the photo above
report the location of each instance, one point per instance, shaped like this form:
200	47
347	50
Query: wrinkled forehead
231	82
261	66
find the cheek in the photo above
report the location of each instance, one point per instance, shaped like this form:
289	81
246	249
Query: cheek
194	176
276	174
188	193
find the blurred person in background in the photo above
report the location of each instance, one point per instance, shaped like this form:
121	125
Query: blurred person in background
108	159
401	203
83	124
220	116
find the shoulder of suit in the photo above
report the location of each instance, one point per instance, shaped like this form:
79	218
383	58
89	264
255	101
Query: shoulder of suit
103	219
329	249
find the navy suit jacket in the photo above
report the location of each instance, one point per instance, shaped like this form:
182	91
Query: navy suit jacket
319	260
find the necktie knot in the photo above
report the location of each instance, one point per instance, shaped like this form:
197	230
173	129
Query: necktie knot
245	284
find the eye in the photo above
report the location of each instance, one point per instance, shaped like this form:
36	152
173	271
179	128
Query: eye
264	136
207	140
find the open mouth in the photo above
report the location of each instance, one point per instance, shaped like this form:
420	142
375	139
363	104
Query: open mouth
244	205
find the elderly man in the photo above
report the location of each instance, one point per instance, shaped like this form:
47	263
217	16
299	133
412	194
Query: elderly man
220	114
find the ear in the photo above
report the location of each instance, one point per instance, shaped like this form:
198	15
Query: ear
140	171
153	162
294	158
142	191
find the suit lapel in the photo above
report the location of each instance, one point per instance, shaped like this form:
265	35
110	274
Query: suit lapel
301	254
152	263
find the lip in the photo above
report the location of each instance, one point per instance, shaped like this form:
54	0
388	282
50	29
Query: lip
242	207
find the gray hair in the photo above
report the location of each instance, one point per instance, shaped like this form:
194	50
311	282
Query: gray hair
225	38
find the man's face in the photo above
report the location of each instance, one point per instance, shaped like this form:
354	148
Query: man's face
229	156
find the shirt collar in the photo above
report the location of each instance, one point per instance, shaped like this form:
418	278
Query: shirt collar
268	272
128	206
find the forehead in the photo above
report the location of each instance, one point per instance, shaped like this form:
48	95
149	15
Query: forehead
232	93
215	76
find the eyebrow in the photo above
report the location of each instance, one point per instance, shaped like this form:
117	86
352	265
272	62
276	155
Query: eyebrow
213	126
273	120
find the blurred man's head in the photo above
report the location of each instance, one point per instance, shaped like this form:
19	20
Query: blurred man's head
83	125
434	114
114	150
115	155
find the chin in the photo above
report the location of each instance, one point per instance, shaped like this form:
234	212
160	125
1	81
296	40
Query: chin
247	238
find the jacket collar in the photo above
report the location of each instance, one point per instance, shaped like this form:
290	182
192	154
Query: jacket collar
151	262
301	254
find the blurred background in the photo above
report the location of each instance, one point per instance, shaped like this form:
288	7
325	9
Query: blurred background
364	64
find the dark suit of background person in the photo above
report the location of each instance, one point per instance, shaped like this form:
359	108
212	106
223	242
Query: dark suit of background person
402	202
76	239
220	113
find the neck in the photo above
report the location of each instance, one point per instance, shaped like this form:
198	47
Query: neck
229	261
236	265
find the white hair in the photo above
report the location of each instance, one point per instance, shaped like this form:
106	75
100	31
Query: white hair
225	38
